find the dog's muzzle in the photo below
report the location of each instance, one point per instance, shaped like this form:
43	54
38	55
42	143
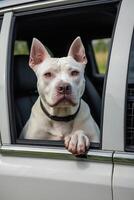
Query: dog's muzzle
64	89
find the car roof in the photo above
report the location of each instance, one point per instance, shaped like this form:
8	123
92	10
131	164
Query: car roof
10	3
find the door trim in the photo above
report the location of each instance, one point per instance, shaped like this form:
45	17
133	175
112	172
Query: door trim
55	153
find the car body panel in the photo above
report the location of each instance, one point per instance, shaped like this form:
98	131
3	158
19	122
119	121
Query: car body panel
35	172
113	124
123	182
32	178
4	47
123	176
54	174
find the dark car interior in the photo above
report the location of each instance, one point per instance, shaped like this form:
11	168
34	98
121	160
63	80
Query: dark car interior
56	28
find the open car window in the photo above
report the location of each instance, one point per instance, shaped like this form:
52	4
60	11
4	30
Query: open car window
88	22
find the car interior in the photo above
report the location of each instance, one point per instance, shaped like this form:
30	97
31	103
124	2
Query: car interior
56	29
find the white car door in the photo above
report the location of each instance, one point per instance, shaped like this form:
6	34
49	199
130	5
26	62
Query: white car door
123	173
34	172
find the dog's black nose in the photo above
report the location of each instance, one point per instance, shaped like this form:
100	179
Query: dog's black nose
64	88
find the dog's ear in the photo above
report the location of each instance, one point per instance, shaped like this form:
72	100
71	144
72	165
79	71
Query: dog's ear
77	51
38	53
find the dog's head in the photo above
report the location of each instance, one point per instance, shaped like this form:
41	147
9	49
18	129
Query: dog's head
60	81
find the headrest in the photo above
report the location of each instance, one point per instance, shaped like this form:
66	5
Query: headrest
24	77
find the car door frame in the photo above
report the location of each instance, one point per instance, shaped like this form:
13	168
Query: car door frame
98	163
123	171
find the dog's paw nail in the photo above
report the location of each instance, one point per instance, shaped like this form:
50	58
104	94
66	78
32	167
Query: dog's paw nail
72	149
81	149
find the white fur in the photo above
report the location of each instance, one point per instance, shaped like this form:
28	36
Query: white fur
78	133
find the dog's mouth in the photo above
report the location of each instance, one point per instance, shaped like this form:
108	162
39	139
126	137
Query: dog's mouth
66	100
63	100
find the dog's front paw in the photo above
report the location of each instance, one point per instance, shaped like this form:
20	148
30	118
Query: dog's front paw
77	143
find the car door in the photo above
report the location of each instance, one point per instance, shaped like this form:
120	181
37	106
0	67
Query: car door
123	173
36	170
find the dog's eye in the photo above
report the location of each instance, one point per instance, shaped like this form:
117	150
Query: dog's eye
75	73
48	75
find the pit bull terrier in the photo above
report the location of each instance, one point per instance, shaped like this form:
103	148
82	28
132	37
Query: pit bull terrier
59	112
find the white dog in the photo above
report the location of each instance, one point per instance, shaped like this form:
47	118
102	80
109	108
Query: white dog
59	112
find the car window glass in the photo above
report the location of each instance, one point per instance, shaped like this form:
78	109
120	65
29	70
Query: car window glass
129	115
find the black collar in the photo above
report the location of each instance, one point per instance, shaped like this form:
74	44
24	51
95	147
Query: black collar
57	118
